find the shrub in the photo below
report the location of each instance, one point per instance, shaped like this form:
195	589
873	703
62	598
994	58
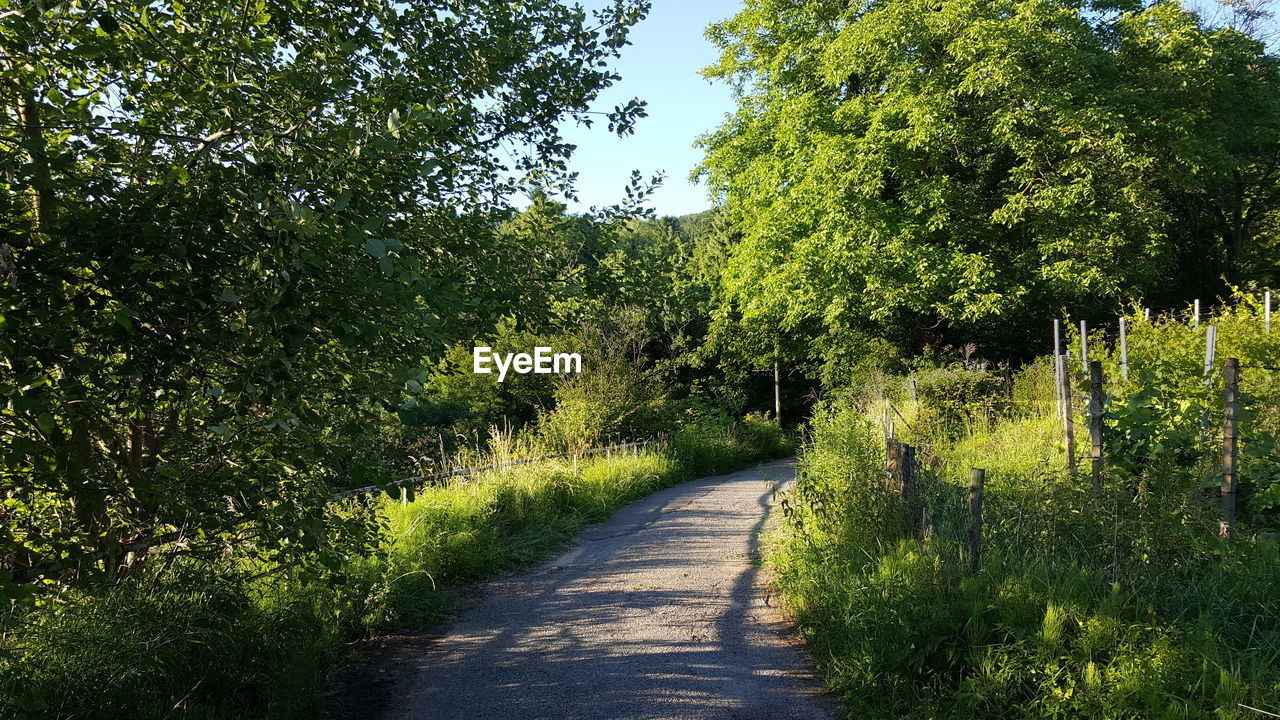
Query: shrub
208	639
615	400
1120	605
952	399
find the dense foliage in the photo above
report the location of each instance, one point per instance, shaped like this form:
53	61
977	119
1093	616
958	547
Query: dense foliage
1125	603
207	640
928	172
246	250
231	233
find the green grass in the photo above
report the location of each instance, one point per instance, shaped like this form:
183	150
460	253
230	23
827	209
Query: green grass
203	640
506	520
1124	605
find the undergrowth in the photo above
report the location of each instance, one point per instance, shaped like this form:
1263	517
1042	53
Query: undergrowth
208	639
1120	604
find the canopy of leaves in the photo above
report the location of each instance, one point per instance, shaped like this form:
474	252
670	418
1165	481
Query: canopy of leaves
919	170
229	230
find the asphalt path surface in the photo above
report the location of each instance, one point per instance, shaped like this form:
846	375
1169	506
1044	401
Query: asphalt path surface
659	612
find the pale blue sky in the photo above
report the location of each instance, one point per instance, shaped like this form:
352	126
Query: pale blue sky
661	67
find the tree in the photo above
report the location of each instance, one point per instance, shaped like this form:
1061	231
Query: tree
924	172
227	231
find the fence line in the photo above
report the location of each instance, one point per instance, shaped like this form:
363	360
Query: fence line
21	575
901	463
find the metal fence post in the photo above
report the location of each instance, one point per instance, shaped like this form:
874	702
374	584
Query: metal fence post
1057	350
1068	422
1210	358
1267	313
1084	344
1124	350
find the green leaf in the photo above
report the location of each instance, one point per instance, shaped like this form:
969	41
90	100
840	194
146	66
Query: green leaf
46	423
375	247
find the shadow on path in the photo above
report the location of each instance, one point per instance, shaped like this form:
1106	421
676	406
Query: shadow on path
657	613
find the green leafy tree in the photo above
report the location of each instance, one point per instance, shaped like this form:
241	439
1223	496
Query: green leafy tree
926	172
226	231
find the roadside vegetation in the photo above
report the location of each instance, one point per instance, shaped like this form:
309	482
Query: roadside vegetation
1121	604
247	249
228	637
245	254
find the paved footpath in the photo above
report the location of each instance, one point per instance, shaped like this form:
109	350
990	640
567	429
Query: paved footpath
658	612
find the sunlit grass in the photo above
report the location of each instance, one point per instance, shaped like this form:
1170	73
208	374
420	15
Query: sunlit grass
501	520
206	639
1120	605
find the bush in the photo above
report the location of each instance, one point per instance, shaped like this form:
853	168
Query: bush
200	642
708	448
1121	605
1164	419
209	640
615	400
952	399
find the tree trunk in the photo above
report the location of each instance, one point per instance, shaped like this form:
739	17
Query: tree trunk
43	211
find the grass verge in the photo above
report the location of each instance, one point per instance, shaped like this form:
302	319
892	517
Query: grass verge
1121	605
207	640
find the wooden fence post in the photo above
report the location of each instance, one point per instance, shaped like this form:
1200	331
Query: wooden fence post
1068	422
892	454
1267	312
1230	435
973	520
1195	314
907	483
1095	422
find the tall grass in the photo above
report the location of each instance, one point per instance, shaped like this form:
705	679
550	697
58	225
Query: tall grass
1124	604
208	639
